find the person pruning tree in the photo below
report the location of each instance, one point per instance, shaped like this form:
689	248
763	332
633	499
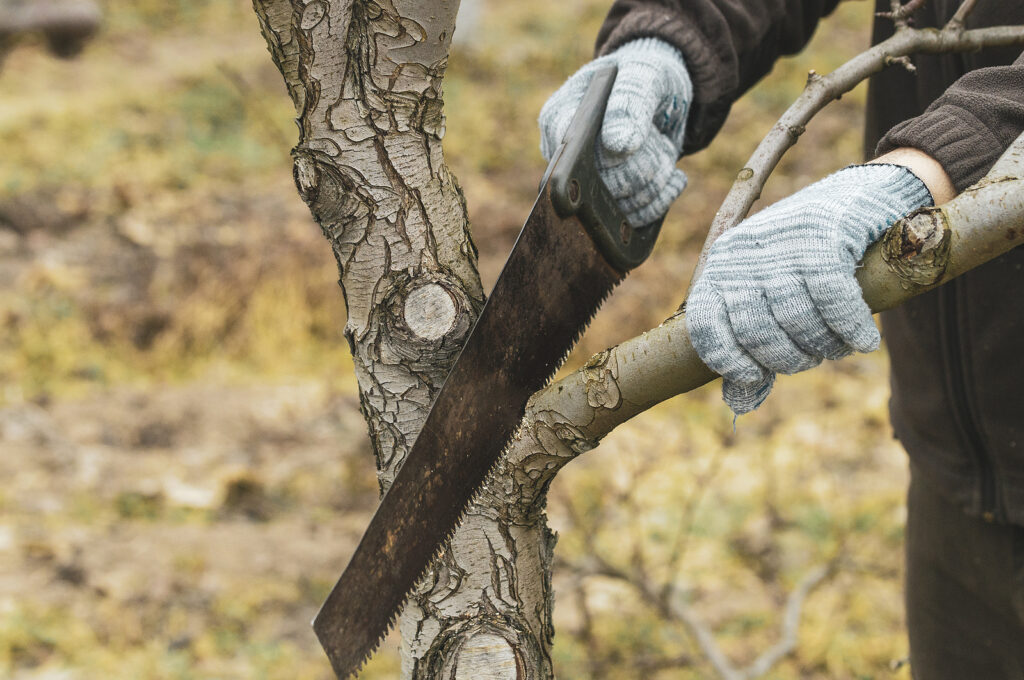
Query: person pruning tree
778	294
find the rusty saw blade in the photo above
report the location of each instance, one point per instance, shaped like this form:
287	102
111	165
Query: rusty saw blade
573	250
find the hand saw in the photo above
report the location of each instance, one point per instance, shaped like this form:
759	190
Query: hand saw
575	247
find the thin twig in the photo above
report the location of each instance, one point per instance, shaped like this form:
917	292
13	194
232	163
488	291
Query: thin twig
790	624
769	658
895	11
901	14
705	640
688	520
957	22
676	610
904	61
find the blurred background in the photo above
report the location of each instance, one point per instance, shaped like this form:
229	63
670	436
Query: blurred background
184	468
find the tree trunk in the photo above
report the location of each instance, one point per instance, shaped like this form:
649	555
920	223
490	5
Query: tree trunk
365	77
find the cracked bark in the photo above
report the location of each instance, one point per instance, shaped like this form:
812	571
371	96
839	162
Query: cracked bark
365	77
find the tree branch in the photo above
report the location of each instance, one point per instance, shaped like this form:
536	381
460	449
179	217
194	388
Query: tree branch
958	20
916	254
676	610
900	14
820	90
689	517
790	624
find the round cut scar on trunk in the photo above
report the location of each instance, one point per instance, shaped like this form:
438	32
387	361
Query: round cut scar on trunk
430	311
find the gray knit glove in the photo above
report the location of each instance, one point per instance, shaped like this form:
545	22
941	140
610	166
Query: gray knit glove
778	292
642	134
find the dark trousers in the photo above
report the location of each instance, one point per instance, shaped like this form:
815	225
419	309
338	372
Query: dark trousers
964	592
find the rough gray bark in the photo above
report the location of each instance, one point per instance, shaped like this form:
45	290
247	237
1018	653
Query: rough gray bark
365	77
366	82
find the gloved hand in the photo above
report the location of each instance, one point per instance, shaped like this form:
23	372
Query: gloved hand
778	292
642	134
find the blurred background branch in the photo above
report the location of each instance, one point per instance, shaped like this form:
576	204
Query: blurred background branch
667	599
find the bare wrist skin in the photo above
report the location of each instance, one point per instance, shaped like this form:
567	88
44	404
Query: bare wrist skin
929	170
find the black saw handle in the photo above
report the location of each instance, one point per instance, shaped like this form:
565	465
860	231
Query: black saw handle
576	187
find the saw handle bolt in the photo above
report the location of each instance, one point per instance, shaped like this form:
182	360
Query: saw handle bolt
576	189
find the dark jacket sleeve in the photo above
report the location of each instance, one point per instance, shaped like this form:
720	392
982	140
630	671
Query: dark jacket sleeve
970	125
728	45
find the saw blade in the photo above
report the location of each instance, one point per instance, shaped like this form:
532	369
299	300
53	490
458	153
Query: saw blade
551	286
575	247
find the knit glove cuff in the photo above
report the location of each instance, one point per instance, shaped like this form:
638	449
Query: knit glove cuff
778	292
644	125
